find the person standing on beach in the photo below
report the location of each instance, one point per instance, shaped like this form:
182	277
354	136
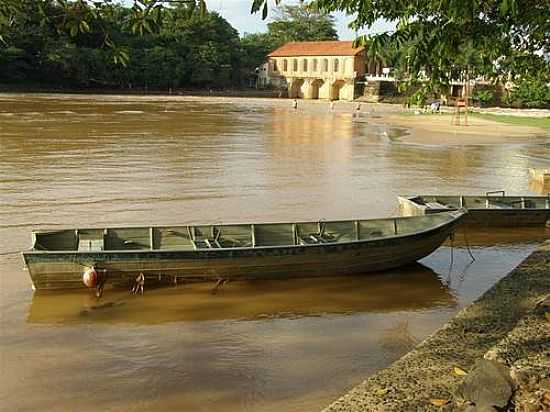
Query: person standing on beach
357	110
331	106
295	104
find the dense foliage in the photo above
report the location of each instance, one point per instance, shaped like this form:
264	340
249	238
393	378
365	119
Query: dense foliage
291	23
43	44
440	40
152	44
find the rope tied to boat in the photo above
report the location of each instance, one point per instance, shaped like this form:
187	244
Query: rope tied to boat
451	238
468	246
139	284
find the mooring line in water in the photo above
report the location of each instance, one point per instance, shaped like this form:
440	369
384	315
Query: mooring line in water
451	238
468	247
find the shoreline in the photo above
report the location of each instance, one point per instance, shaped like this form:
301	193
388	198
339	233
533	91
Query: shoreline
495	353
420	129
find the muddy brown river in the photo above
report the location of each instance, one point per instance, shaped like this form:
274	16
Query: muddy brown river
292	345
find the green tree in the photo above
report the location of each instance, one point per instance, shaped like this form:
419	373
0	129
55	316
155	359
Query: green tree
188	47
301	23
440	35
255	48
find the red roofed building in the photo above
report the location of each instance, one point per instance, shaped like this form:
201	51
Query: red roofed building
318	69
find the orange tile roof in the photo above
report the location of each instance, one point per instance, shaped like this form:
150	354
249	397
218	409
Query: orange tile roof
317	48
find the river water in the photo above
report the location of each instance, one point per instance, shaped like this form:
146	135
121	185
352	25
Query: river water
292	345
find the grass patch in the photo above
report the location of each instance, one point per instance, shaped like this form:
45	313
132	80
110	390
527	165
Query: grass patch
542	122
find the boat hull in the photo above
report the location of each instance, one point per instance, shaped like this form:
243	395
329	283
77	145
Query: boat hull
478	217
63	270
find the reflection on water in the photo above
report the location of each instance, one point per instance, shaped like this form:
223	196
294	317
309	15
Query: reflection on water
499	236
259	346
539	187
414	288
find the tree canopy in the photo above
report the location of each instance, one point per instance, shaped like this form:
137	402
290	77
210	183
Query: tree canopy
434	40
442	39
290	23
188	47
143	43
301	23
447	39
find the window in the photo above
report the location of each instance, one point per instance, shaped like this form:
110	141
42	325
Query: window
325	65
275	65
336	66
285	65
304	65
314	65
294	65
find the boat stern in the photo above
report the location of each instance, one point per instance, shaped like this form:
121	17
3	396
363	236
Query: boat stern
410	206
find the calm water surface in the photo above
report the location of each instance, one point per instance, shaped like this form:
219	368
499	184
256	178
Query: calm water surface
258	346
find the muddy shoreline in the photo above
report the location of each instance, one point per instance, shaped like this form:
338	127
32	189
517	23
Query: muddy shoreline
494	354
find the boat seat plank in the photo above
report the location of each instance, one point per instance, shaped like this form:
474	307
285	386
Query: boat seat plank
90	245
499	205
316	238
91	240
436	205
206	244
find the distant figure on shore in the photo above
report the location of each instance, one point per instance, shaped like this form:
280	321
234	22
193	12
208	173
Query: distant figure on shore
295	104
357	110
331	106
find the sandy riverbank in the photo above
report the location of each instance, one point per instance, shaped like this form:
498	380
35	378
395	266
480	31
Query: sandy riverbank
423	129
494	353
438	129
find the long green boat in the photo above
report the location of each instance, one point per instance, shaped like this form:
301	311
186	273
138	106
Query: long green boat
75	258
494	209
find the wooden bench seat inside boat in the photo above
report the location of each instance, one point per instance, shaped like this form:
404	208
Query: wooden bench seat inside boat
91	239
436	205
498	205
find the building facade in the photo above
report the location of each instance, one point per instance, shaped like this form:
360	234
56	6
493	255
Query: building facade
317	70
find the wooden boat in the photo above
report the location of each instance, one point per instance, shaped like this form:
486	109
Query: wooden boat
65	258
542	176
493	209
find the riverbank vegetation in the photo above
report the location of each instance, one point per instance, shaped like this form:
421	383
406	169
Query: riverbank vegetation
531	121
151	45
159	44
439	41
542	122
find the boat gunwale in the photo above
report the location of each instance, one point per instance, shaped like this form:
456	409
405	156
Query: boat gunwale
476	209
459	214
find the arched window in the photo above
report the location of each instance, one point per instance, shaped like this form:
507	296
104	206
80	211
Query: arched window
325	65
304	65
294	65
274	65
314	65
336	65
285	65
